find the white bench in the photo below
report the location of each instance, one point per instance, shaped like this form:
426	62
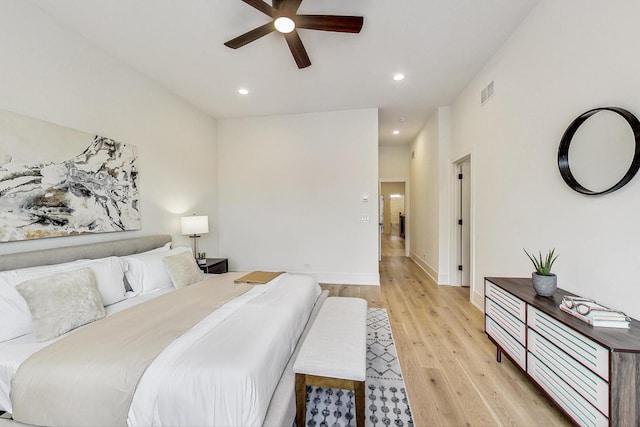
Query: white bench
334	353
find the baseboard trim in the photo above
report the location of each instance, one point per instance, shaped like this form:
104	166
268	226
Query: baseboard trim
431	272
343	278
332	278
477	300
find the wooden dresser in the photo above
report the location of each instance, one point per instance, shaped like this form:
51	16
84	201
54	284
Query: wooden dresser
593	374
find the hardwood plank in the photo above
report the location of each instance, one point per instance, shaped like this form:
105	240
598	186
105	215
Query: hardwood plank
448	362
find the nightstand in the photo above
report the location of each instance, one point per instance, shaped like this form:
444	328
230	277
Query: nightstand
215	266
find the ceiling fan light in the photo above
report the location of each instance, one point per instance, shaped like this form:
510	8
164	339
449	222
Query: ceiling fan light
284	24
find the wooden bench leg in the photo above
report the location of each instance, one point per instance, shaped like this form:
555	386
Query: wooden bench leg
360	402
301	400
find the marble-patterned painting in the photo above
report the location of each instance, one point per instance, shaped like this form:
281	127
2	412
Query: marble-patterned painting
56	181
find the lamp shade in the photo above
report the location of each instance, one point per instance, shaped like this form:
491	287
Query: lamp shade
195	224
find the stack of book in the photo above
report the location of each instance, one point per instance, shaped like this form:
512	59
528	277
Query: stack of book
597	315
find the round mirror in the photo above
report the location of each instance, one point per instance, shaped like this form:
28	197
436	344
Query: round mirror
602	154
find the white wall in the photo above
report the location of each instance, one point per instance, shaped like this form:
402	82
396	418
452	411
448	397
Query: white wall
430	189
290	194
567	57
52	74
394	163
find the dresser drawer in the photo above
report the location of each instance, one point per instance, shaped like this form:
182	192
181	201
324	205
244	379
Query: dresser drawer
590	386
589	353
570	400
513	326
508	344
504	299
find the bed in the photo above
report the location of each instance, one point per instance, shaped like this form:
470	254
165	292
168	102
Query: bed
170	346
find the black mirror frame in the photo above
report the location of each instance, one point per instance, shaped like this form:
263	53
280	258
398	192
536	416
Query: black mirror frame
565	142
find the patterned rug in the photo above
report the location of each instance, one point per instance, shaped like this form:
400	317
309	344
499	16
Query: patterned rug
387	402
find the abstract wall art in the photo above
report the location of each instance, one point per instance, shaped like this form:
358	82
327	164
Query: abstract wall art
56	181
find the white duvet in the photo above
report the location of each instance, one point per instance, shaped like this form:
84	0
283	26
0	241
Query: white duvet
222	372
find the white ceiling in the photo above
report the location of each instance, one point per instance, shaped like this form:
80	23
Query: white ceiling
438	44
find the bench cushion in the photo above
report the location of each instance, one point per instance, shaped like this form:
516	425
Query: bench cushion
336	346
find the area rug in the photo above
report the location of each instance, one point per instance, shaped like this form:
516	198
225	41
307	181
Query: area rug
387	402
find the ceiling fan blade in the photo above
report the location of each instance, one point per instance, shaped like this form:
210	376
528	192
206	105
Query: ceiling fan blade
342	24
289	7
262	7
277	4
250	36
297	49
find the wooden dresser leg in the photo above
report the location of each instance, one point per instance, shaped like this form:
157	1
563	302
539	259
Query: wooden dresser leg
301	400
360	402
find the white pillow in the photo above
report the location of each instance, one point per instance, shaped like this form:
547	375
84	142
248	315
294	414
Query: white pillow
15	318
61	302
164	248
108	272
146	272
182	269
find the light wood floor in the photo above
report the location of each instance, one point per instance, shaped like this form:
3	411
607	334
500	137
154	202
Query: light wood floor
448	363
392	245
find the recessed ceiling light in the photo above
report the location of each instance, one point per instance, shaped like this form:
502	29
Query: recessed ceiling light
243	91
396	132
398	76
284	25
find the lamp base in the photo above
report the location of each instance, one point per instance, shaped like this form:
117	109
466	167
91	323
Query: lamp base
195	244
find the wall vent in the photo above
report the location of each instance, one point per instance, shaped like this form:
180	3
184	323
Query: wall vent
487	93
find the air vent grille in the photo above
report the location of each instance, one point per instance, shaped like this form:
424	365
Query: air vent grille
487	93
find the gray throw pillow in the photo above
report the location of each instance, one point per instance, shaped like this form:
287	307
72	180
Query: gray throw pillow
182	269
62	302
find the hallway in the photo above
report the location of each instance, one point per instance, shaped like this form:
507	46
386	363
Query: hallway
449	365
392	245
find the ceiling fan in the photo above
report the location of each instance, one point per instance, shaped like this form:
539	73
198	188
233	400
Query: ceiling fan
285	19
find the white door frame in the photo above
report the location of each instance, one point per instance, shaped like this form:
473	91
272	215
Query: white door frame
455	231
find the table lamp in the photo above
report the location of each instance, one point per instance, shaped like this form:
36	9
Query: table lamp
193	226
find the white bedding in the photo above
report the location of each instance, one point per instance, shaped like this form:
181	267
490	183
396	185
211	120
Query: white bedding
221	372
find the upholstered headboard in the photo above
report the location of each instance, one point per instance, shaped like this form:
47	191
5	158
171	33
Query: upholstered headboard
88	251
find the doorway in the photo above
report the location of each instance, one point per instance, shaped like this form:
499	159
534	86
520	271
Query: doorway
463	223
392	219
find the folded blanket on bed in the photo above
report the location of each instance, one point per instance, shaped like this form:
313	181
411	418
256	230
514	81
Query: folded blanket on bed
104	361
258	277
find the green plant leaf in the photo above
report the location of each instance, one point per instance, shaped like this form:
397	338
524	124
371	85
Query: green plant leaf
542	264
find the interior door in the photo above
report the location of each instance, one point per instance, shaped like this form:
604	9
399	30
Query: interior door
464	222
381	225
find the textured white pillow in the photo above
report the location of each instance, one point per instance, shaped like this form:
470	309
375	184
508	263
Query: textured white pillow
146	272
182	269
15	318
109	275
62	302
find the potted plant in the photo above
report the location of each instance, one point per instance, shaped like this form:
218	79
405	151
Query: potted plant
545	282
201	257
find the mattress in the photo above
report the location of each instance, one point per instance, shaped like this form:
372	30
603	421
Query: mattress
221	372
